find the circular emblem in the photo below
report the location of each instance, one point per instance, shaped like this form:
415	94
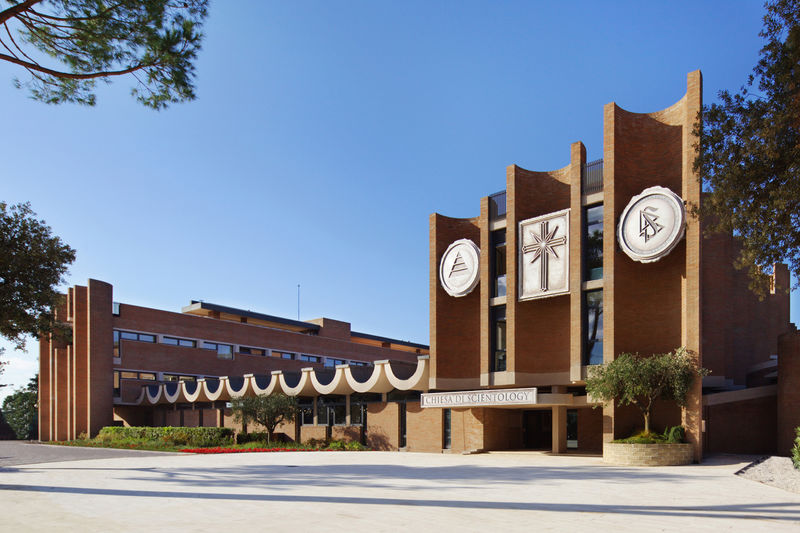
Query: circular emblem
652	224
459	270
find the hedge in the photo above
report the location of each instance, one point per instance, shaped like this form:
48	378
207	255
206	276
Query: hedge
796	449
171	436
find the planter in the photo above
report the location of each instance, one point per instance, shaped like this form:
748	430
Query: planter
647	454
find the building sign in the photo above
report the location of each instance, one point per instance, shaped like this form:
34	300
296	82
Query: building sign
544	256
459	269
652	224
480	398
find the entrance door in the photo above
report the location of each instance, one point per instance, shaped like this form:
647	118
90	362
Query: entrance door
537	427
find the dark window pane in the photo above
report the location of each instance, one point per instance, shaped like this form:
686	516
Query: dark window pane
286	355
593	324
498	361
169	340
499	263
339	413
446	436
355	413
593	243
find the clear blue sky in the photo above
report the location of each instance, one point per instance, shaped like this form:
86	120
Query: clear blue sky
325	133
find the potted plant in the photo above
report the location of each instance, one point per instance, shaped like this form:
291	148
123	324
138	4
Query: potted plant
641	381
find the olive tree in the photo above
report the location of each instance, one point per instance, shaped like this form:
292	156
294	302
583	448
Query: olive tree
638	380
268	411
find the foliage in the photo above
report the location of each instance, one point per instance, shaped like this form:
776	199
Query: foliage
796	449
749	153
268	411
167	436
19	410
153	41
637	380
671	435
32	264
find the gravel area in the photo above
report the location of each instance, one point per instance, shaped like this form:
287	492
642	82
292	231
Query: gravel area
774	471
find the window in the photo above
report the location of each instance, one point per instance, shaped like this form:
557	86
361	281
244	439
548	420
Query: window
358	363
446	435
286	355
402	425
129	375
331	411
147	376
174	341
252	351
357	411
322	412
309	358
593	327
498	361
572	428
115	308
499	263
224	351
187	378
169	377
130	336
329	362
593	243
116	384
306	411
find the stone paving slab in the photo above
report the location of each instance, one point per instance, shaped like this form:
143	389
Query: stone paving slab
388	491
15	452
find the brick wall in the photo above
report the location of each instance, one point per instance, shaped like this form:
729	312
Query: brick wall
788	390
647	454
454	322
741	427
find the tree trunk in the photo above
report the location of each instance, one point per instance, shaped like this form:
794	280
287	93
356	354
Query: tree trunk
646	421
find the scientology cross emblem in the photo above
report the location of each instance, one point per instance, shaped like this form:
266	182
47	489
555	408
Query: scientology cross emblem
543	247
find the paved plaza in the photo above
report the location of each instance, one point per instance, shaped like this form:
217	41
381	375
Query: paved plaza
378	491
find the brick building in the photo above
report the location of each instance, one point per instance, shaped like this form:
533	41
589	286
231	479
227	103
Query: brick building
560	271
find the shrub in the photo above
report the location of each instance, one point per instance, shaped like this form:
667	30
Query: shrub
675	434
796	449
170	436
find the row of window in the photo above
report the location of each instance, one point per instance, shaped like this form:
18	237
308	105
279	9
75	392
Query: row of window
225	351
592	320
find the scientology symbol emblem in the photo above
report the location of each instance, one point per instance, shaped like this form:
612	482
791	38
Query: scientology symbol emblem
544	257
652	224
459	269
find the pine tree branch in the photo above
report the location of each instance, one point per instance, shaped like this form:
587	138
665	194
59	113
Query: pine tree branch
14	11
72	75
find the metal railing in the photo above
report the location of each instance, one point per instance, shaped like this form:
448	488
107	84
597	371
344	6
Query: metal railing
592	177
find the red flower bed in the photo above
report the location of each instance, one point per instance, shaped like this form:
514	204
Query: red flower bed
246	450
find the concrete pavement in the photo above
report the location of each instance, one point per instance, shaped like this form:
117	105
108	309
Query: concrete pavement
387	491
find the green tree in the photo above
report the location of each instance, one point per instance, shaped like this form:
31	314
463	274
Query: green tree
19	410
268	411
32	264
638	380
155	42
749	153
